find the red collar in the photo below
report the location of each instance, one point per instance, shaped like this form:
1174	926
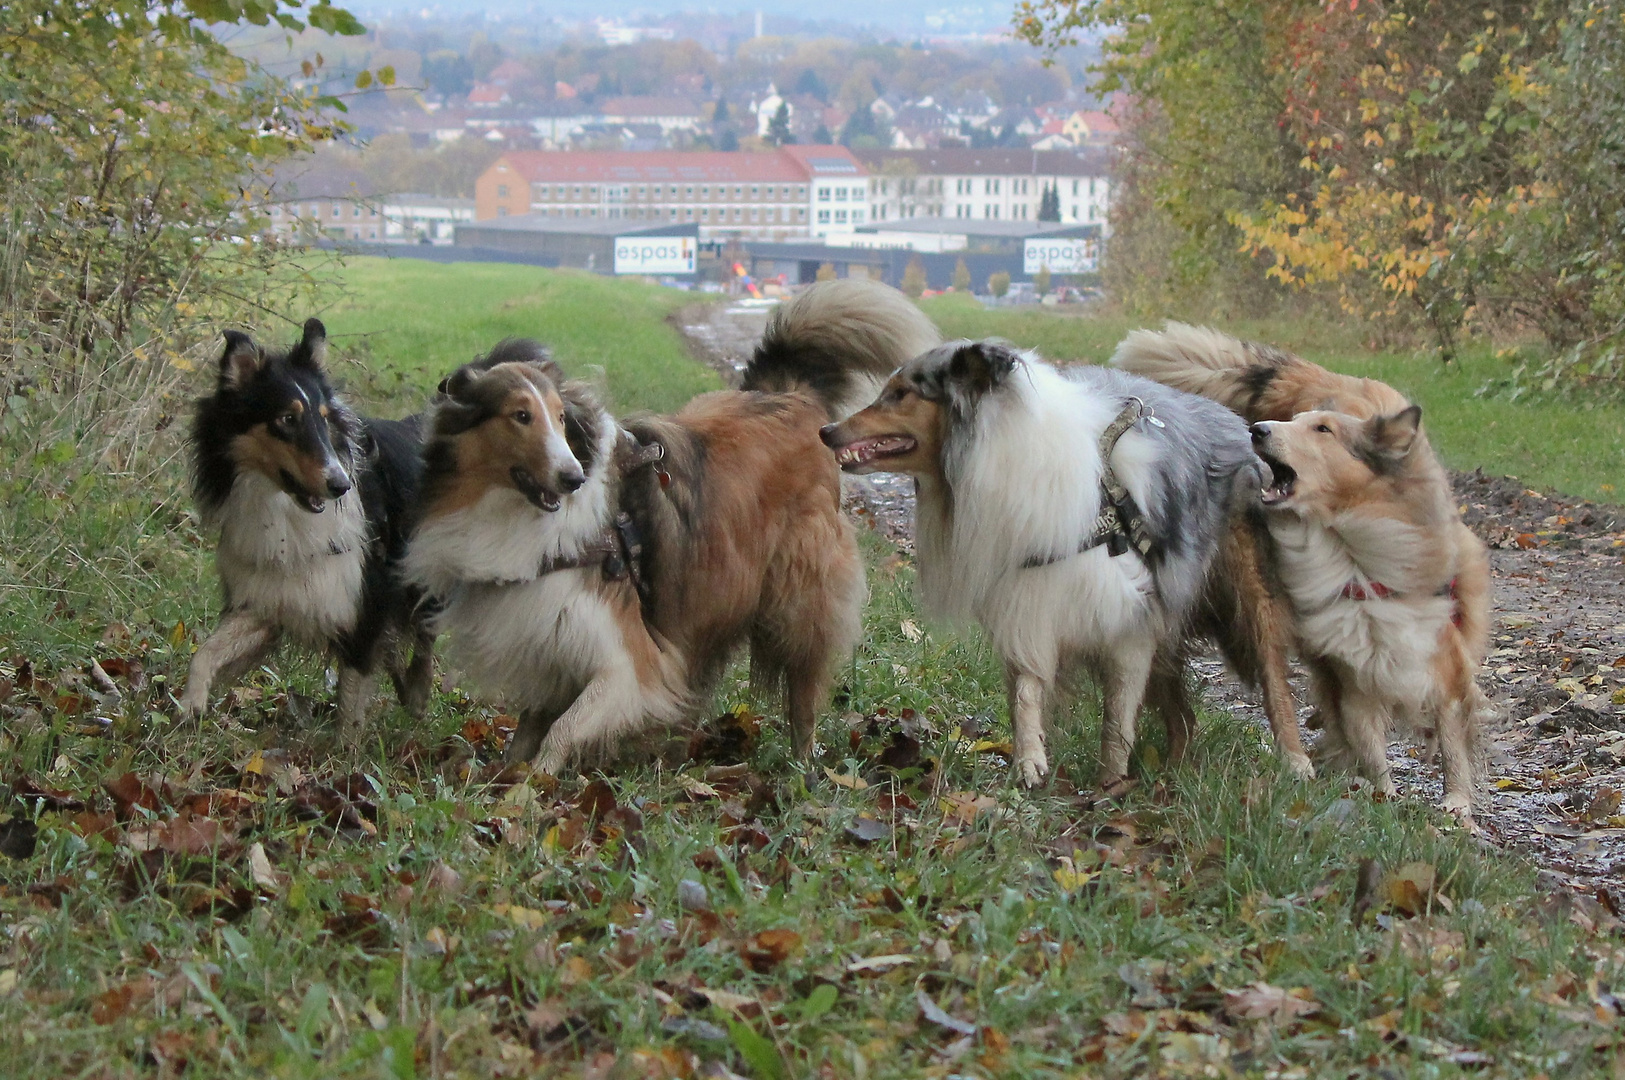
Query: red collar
1376	590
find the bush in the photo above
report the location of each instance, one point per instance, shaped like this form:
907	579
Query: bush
961	276
914	282
826	272
131	169
1041	280
998	284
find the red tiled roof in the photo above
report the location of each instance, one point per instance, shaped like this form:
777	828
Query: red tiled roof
647	106
792	163
483	92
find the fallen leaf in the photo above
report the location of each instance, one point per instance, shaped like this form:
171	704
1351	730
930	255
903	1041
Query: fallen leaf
725	999
866	830
18	838
262	872
596	799
911	630
966	806
192	835
1069	878
1410	888
697	789
113	1005
769	949
940	1016
1261	1001
851	783
876	964
523	917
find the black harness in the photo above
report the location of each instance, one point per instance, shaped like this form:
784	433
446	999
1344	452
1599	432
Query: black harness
618	552
1120	525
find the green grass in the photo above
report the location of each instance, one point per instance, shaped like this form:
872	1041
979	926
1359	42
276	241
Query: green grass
456	928
1552	443
408	323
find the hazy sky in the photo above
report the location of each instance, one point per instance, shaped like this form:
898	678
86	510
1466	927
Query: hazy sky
915	16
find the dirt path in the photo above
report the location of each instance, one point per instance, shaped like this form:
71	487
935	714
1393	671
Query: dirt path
1556	667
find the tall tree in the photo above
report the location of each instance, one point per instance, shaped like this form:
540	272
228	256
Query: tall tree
778	128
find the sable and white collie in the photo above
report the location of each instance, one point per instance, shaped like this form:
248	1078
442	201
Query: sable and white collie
1072	513
598	573
310	504
1389	591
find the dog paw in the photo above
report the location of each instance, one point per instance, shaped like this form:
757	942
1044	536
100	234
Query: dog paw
1460	807
1300	766
192	706
1032	771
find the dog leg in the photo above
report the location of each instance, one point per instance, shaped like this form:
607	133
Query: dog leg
1167	693
610	703
1128	670
236	644
804	693
415	684
534	724
1027	694
355	695
1282	711
1364	723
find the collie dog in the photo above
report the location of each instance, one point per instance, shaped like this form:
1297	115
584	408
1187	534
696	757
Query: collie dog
599	573
1388	590
1073	513
310	503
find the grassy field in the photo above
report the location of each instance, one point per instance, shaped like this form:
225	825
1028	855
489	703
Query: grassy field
406	323
247	898
1558	445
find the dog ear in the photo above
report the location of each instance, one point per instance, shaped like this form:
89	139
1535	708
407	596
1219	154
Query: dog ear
581	420
1394	435
311	352
457	383
1389	439
240	362
983	365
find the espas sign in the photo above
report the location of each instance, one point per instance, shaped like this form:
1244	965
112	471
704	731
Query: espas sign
654	254
1068	255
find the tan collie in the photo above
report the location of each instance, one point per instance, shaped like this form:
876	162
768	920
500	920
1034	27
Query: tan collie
598	573
1388	590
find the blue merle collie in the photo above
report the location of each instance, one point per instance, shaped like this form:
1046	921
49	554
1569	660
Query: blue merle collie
1074	513
310	503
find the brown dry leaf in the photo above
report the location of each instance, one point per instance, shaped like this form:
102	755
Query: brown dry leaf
113	1005
262	872
851	783
724	999
1410	888
964	806
697	789
1261	1001
523	917
574	971
769	949
192	836
128	793
596	799
874	965
442	882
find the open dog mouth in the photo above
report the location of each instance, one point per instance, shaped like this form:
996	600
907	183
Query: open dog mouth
296	491
864	451
532	489
1283	478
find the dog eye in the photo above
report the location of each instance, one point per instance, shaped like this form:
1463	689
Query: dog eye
287	419
1324	429
522	416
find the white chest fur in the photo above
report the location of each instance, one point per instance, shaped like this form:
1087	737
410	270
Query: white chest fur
297	570
1386	642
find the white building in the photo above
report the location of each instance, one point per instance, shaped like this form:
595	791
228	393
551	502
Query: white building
410	219
992	185
768	108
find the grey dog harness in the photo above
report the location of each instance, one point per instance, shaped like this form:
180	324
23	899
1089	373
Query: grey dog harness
1119	525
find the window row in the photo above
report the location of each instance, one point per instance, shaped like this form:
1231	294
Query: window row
617	192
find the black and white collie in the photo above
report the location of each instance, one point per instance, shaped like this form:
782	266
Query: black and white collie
310	502
1073	513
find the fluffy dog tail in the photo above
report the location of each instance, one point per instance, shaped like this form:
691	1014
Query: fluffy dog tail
840	341
1258	381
